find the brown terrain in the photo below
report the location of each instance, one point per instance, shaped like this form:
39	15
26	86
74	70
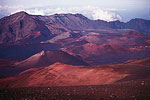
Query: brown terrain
130	90
45	58
60	74
70	57
42	59
22	27
74	34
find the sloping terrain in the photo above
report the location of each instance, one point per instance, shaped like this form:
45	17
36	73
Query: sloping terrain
60	74
50	52
23	51
22	27
98	48
10	67
95	41
47	57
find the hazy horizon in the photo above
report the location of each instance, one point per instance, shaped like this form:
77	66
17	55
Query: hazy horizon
108	10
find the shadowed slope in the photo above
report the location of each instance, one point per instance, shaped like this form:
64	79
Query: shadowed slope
145	61
48	57
26	28
60	74
22	27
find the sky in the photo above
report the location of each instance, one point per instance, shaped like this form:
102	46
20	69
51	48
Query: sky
108	10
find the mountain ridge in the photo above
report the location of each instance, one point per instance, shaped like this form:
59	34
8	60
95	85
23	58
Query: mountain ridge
22	26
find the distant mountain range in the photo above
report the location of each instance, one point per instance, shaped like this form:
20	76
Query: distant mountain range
70	49
22	27
93	41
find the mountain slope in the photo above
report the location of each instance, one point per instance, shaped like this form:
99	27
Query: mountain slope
48	57
80	22
22	26
9	67
60	74
139	24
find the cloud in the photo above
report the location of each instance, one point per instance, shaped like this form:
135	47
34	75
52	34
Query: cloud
36	12
7	10
11	9
91	12
97	13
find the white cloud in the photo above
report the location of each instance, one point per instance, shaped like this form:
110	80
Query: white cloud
7	10
36	12
88	11
11	9
97	13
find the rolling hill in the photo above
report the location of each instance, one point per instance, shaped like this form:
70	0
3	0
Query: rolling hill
60	74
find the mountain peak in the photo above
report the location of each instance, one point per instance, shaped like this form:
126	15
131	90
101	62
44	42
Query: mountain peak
21	13
80	16
70	15
48	57
138	19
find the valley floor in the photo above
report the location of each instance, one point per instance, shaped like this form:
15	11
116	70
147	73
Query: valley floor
131	90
